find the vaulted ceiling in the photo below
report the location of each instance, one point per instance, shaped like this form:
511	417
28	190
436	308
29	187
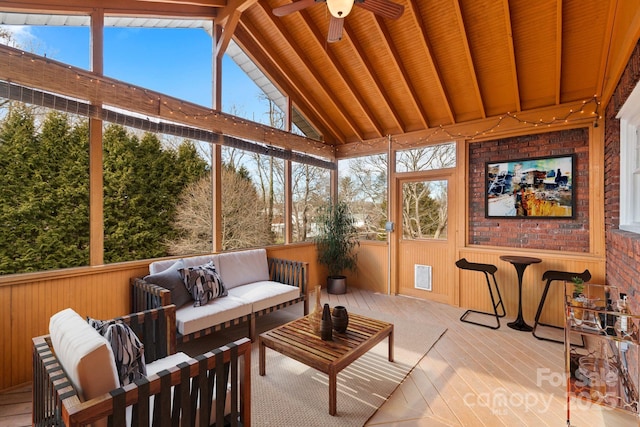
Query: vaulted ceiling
442	64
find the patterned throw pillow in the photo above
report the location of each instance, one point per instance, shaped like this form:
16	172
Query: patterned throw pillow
204	283
128	351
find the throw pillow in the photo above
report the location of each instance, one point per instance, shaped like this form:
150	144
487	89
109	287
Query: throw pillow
128	351
203	282
172	280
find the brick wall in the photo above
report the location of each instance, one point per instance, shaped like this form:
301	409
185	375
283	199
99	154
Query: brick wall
547	234
623	248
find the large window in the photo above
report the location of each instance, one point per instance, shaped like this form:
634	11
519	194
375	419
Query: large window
157	195
310	191
252	199
630	163
44	189
175	61
363	186
426	158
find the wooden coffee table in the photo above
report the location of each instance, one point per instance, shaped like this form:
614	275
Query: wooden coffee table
298	341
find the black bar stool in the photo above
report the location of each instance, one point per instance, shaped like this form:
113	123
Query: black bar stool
550	276
487	269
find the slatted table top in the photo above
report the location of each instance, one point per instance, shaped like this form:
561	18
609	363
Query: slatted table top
297	340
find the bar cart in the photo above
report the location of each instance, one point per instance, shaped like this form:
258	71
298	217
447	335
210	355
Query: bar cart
601	348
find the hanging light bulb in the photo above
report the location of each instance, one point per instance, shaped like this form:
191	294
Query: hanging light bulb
339	8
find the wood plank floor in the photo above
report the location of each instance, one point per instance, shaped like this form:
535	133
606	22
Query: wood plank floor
473	376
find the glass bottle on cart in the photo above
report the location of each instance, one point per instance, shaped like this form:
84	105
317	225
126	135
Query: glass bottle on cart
601	348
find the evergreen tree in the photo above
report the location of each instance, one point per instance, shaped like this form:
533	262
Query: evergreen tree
43	192
142	183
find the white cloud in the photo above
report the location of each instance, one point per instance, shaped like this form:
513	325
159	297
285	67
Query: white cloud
19	36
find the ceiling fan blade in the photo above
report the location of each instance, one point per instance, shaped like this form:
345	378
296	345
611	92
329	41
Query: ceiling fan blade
335	29
294	7
384	8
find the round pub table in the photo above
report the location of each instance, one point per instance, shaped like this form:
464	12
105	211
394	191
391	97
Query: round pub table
520	263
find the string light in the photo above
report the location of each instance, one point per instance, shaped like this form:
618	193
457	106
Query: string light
442	132
437	134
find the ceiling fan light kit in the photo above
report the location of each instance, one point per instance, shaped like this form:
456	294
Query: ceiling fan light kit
339	8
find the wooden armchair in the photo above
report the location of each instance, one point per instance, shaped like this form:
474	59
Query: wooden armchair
176	395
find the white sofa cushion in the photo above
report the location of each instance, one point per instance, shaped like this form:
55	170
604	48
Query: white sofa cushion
265	294
85	355
192	319
159	266
242	267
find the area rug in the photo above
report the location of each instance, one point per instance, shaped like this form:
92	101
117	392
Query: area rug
292	394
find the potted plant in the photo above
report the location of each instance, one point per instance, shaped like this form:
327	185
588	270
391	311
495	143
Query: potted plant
336	240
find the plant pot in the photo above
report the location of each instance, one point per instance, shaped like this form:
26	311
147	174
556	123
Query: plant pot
337	284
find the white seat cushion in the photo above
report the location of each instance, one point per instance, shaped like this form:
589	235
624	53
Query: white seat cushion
166	363
240	268
265	294
191	319
85	355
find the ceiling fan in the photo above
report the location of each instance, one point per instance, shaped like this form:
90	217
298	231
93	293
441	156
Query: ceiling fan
339	9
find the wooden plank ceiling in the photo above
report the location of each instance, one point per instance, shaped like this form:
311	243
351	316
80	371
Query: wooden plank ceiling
442	63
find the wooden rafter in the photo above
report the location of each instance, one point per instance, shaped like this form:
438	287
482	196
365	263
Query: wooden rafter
357	48
319	38
558	50
227	18
397	61
472	69
261	52
606	48
309	71
414	12
512	54
124	7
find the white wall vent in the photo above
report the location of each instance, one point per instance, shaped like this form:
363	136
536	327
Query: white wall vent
422	277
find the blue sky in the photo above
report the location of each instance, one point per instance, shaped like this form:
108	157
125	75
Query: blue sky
176	62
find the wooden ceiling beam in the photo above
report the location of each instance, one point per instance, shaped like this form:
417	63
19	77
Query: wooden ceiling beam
406	81
527	123
231	23
623	42
347	36
606	49
115	7
472	67
558	50
512	54
205	3
261	53
414	12
319	38
45	74
309	71
232	8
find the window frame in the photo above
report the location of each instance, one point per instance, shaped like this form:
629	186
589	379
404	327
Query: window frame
629	117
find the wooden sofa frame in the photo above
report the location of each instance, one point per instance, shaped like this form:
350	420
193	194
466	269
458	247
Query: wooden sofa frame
146	296
56	402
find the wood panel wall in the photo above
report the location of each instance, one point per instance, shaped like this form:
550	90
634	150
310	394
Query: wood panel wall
99	292
474	293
